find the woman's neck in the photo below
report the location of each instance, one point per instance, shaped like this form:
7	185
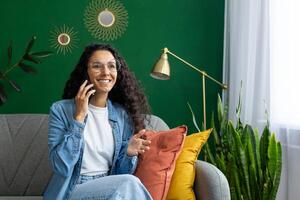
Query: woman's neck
99	100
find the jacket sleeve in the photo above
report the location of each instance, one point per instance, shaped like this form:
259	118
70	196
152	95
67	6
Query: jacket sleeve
64	142
127	164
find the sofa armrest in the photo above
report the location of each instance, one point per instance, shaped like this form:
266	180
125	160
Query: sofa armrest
210	182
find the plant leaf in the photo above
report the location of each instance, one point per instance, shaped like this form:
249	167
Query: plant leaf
265	192
42	54
30	44
234	178
9	53
214	131
210	156
278	171
3	96
27	68
239	107
31	58
252	162
193	116
272	155
263	147
220	109
221	162
14	85
258	163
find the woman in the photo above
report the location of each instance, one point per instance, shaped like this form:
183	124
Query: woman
93	150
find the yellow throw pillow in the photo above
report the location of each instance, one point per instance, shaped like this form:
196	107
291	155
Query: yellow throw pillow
181	187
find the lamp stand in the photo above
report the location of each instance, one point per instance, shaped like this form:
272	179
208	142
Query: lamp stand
204	101
161	71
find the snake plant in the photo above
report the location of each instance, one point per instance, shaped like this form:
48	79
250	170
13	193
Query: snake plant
252	164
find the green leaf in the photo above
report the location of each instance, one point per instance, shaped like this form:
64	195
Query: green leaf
27	68
235	134
9	53
210	156
253	184
214	131
41	54
3	96
254	144
227	140
264	143
230	176
31	59
220	109
278	171
258	163
244	166
252	163
193	116
244	134
235	179
272	155
221	162
239	107
254	157
241	160
30	44
266	188
14	85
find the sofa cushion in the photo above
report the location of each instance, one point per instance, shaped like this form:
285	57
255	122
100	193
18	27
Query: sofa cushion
156	165
24	168
182	182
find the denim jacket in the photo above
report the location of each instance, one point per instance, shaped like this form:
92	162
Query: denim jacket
65	142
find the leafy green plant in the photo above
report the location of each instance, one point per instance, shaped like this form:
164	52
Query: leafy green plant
252	164
24	63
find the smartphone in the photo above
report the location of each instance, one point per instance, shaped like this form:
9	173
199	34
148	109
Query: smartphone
86	77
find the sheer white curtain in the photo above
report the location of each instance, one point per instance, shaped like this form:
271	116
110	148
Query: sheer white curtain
284	90
262	49
246	57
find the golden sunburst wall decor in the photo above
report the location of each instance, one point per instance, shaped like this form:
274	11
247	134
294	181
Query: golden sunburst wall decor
64	39
106	19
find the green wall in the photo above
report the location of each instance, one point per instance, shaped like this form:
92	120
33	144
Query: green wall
193	29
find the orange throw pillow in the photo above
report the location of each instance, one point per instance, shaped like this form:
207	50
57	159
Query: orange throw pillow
156	166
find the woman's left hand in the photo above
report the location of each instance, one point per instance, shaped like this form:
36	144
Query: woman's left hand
137	145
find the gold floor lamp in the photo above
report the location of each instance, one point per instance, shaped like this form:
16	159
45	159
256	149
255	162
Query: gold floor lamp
161	71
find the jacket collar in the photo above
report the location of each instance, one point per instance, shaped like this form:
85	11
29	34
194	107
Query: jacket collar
112	113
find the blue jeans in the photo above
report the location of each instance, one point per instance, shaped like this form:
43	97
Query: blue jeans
114	187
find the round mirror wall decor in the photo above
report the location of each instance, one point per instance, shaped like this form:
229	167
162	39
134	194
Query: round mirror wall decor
63	39
106	19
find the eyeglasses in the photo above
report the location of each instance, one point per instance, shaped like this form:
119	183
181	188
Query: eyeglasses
99	67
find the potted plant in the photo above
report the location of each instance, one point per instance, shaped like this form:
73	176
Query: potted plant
251	163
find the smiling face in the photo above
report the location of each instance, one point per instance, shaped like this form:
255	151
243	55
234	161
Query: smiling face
102	71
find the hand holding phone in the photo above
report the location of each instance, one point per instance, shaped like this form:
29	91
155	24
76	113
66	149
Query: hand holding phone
82	99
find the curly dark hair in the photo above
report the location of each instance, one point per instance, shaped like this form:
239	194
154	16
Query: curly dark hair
126	91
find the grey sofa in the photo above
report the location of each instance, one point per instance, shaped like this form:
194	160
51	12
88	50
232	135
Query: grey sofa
24	169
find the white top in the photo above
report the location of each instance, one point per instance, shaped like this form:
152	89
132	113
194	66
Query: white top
99	142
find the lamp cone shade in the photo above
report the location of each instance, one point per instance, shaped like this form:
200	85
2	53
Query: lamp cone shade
161	69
